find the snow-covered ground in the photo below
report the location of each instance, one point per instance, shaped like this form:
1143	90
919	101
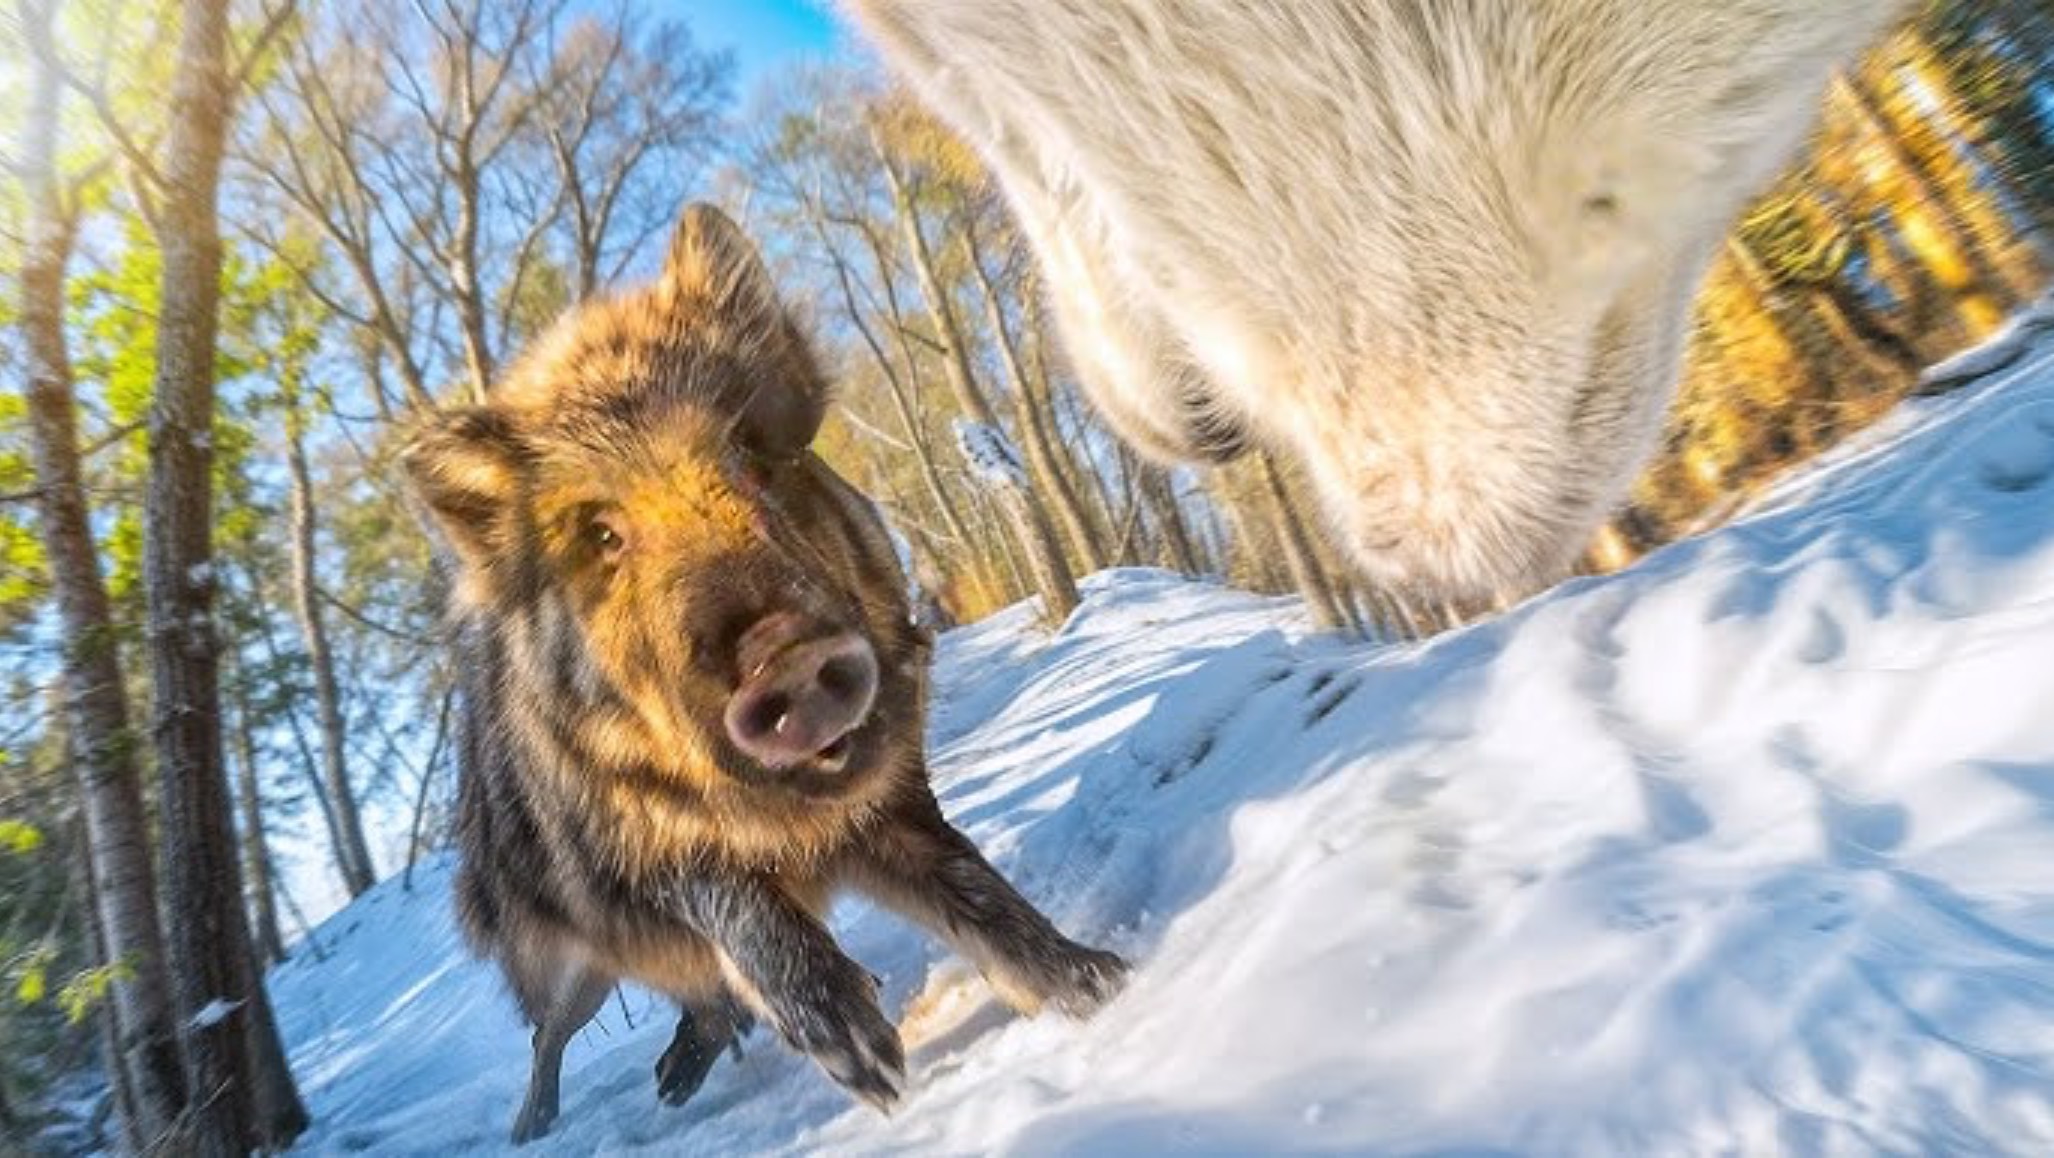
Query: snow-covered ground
1749	849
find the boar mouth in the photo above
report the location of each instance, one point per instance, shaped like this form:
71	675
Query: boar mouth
835	755
831	759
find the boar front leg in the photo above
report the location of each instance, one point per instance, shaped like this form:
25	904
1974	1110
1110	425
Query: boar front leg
919	865
783	963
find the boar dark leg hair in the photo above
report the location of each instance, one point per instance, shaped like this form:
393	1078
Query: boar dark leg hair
705	1028
578	996
923	868
787	966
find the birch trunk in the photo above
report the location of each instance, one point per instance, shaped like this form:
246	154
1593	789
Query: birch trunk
147	1067
352	853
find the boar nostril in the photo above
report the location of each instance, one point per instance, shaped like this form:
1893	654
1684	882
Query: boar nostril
843	677
799	702
765	716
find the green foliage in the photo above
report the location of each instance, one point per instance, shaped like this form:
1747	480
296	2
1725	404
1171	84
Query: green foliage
88	989
83	991
22	576
19	837
42	939
31	974
114	357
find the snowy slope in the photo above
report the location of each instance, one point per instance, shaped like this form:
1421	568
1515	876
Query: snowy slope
1747	849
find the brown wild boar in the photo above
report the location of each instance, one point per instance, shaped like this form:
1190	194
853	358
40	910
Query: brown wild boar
693	694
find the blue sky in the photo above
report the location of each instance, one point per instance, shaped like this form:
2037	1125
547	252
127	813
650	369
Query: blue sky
762	33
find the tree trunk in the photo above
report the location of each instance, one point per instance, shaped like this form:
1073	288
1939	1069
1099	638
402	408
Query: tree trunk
1305	568
470	296
954	355
124	888
1036	536
923	452
310	764
210	940
1866	107
1161	499
1254	548
427	777
997	464
1037	442
1795	330
256	848
352	854
280	1116
1076	462
128	1116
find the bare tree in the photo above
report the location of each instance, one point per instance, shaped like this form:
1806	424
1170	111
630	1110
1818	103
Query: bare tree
1051	478
1328	611
1035	535
146	1066
352	853
618	97
809	173
476	164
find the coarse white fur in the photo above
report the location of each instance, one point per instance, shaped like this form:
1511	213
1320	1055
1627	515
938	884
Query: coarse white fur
1441	252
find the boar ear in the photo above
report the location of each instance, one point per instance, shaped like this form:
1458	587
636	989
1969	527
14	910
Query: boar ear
466	469
712	262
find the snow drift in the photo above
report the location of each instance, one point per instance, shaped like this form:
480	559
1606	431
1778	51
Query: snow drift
1750	847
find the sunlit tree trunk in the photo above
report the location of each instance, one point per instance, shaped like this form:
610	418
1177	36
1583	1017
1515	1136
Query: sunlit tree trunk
220	1002
1160	496
1036	440
1036	534
1951	255
128	1117
1941	136
1311	579
147	1065
352	853
909	422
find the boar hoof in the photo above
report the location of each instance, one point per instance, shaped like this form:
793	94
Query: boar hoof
852	1040
1083	979
534	1122
683	1067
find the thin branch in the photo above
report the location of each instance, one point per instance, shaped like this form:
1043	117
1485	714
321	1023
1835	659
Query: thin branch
274	24
399	634
137	153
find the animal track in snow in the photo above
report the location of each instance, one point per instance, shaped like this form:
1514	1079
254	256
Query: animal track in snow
2019	456
1336	694
1438	860
1413	788
1825	642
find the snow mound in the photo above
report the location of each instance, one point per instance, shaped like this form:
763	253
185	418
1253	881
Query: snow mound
1750	848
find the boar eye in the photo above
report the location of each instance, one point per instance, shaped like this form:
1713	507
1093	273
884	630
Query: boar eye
604	534
761	467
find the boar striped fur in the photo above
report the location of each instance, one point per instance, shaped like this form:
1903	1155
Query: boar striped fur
692	692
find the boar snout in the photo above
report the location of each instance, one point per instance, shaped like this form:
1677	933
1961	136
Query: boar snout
801	692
